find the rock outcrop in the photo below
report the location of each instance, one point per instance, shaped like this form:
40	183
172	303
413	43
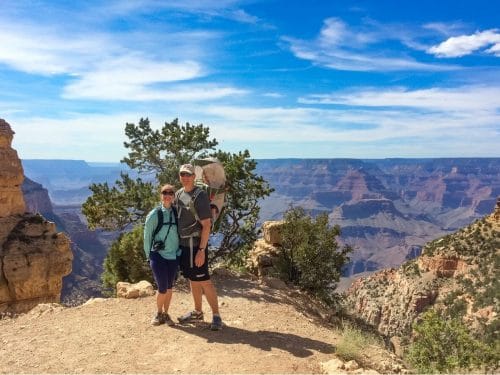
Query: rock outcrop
265	251
36	198
11	174
33	256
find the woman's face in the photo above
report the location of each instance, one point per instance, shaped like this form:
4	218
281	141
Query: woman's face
167	194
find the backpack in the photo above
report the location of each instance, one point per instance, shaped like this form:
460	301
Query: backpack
193	229
211	177
160	223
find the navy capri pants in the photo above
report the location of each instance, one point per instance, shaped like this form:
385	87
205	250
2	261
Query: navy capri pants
164	271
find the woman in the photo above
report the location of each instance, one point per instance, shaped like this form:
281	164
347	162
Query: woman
161	246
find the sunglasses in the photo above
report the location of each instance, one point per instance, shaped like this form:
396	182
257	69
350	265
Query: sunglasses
185	174
168	192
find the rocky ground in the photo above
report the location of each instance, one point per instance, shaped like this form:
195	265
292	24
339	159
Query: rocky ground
266	331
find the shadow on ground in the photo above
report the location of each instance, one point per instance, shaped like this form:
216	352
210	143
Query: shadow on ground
265	340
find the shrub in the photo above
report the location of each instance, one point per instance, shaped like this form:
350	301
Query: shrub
126	260
354	343
445	345
310	255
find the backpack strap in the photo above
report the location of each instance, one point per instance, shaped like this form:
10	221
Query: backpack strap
192	209
159	224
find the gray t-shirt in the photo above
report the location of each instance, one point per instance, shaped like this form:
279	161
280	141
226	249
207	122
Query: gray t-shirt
186	221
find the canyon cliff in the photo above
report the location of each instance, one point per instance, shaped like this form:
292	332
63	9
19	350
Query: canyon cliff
387	209
33	255
83	282
457	274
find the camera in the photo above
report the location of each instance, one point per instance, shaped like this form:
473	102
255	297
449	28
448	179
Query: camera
158	245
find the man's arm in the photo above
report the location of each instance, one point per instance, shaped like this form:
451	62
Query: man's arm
206	225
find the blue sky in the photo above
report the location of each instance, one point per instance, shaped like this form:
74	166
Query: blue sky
304	79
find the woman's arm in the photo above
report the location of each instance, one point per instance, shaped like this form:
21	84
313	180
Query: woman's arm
149	225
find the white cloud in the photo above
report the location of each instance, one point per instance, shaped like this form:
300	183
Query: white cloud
132	92
458	99
494	50
463	45
342	48
127	78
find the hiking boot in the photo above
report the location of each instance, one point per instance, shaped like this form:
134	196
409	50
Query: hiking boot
216	324
158	319
168	320
191	317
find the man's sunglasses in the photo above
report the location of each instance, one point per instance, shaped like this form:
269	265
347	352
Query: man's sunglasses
185	174
167	192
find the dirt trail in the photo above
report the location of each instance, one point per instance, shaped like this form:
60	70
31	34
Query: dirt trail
266	331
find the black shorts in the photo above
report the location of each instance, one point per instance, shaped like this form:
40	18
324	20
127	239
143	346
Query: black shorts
189	269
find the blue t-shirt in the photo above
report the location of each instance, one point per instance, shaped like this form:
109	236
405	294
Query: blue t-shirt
171	250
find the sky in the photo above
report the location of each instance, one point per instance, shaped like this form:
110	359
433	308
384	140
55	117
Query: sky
281	78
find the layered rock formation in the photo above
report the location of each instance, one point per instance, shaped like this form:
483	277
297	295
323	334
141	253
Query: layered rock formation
33	256
387	209
11	174
457	274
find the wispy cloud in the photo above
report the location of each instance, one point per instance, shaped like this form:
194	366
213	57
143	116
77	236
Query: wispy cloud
273	95
457	99
42	51
340	47
227	9
445	28
463	45
374	121
368	128
101	67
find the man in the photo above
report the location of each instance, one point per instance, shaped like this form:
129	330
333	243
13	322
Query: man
194	221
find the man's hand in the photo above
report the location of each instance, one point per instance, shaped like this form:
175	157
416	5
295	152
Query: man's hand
199	258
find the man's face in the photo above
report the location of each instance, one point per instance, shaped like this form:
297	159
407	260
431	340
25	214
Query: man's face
186	178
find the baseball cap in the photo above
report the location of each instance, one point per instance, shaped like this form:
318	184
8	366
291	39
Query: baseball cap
186	168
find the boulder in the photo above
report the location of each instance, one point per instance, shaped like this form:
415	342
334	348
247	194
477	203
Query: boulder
273	232
333	366
273	282
34	260
262	257
141	289
351	365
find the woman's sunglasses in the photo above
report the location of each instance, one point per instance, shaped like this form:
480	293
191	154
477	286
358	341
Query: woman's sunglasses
167	192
